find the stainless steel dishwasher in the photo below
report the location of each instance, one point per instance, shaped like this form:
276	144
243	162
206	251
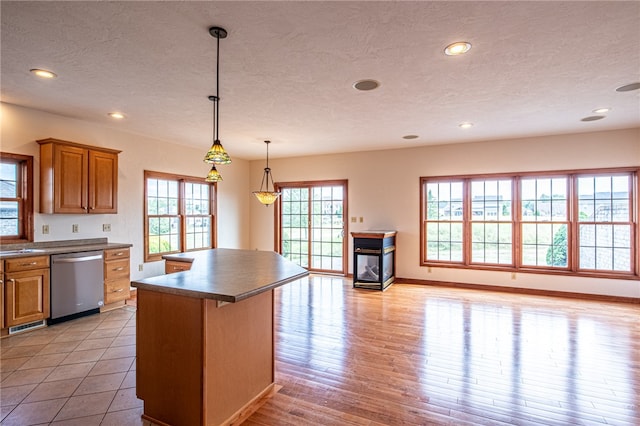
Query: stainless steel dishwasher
77	285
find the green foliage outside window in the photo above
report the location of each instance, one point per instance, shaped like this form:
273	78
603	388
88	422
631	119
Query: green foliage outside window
557	253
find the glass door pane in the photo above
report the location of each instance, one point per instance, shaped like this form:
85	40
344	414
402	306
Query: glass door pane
294	228
327	228
312	226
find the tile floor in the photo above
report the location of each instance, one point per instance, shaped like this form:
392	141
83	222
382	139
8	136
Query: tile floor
80	372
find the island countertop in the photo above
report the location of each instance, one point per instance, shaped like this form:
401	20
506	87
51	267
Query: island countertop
227	275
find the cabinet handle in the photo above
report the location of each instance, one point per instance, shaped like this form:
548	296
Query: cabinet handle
118	291
119	269
29	264
118	254
177	268
12	281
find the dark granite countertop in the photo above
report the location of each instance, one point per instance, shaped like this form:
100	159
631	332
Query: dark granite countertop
46	248
227	275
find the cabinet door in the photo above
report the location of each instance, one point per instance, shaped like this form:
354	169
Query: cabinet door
71	171
2	301
103	182
27	296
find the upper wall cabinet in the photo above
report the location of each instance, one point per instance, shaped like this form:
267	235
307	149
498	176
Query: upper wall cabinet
77	179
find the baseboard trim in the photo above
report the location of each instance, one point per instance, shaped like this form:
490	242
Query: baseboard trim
518	290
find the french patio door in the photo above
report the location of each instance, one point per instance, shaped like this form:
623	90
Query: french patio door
311	221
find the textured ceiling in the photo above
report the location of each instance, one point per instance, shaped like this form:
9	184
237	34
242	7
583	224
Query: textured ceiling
287	70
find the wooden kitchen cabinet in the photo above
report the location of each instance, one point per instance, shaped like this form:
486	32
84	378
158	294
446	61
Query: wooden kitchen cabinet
2	294
117	277
77	179
26	290
172	266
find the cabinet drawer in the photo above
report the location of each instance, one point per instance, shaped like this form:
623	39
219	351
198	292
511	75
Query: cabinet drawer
26	263
117	290
115	254
172	266
116	269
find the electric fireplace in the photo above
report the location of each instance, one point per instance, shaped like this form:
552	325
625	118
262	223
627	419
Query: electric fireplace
374	261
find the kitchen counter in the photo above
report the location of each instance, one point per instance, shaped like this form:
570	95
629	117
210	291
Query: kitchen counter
227	275
205	337
46	248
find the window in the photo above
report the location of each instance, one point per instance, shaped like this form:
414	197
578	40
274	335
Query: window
544	221
605	226
179	214
16	198
444	221
579	222
491	222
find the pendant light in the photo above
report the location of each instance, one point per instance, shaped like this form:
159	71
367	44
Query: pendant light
217	153
265	196
213	175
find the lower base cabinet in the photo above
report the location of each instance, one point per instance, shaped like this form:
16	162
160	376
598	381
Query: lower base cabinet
117	276
26	290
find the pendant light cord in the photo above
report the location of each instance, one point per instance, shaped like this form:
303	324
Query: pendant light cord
215	104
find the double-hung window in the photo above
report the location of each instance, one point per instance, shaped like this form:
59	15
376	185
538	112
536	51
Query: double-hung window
579	222
16	198
179	214
605	222
544	221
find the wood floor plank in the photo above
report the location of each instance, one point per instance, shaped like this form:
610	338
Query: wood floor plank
422	355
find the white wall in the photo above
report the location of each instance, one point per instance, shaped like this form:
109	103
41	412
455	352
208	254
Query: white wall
21	127
384	189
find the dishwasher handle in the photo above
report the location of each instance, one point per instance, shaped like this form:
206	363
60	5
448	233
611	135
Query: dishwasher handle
77	259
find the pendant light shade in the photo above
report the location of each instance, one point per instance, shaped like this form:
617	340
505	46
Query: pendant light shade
265	196
217	153
214	175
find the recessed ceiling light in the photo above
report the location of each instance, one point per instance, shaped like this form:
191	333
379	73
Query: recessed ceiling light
410	137
116	115
365	85
465	125
601	110
628	87
43	73
593	118
457	48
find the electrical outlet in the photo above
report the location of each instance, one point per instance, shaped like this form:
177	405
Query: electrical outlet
74	227
513	275
45	229
106	227
140	267
354	219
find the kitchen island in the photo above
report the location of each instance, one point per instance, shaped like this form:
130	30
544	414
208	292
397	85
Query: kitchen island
205	337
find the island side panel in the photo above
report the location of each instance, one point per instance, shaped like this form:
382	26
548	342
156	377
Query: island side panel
239	355
169	350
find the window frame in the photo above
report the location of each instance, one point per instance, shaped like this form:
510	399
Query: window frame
24	198
573	255
181	215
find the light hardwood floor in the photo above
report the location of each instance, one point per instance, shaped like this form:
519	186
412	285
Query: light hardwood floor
412	355
435	355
